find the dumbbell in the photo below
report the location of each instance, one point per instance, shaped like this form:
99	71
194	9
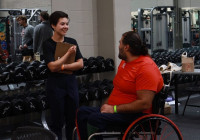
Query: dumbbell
97	83
35	63
42	72
23	65
83	95
41	100
10	67
100	64
12	73
5	109
18	75
42	103
5	78
17	106
109	84
104	87
104	91
85	68
30	104
109	63
2	67
31	73
93	94
92	65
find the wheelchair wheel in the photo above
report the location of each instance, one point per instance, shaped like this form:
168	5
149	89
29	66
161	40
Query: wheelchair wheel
152	127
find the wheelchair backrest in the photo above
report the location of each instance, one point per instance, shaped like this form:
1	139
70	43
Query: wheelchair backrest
159	101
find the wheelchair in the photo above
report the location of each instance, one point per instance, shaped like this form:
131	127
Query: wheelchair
148	127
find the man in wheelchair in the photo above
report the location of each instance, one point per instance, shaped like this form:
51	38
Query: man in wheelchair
137	81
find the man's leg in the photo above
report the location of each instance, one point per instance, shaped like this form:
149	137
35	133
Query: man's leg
82	119
88	116
107	121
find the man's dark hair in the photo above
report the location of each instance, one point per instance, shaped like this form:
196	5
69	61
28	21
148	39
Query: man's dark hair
44	15
21	17
133	39
55	16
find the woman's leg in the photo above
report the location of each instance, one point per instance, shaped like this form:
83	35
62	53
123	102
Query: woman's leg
71	105
56	102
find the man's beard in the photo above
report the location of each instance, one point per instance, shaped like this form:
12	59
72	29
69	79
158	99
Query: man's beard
122	56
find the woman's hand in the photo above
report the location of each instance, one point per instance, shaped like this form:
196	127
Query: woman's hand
72	50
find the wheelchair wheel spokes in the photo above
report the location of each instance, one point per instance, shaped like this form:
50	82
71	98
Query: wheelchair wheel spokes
168	132
152	127
143	130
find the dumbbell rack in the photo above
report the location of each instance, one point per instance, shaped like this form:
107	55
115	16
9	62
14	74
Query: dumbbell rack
94	69
28	77
8	123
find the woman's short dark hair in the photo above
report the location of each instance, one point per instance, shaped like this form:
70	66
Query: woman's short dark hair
44	15
133	39
55	16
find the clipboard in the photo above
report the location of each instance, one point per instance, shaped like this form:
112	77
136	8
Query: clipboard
61	49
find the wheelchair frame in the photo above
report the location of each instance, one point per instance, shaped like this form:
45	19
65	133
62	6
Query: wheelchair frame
157	110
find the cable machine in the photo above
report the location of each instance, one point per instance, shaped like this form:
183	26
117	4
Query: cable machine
186	28
155	26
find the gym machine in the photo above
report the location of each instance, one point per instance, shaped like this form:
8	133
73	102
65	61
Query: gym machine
190	27
12	36
195	28
186	28
155	26
199	26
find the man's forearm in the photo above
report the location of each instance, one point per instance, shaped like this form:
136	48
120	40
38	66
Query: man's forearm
133	107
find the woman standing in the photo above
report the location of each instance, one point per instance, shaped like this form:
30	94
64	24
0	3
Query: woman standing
61	88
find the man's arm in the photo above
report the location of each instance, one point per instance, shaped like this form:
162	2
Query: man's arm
143	102
30	42
35	39
29	33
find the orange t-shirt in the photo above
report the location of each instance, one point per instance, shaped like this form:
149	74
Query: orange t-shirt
140	74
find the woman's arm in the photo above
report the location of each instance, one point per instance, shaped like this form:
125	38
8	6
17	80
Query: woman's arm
56	66
74	66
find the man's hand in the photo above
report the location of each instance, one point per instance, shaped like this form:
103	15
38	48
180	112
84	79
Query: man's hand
107	108
20	47
25	46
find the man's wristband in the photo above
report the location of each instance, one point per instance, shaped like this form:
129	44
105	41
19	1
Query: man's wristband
115	108
63	67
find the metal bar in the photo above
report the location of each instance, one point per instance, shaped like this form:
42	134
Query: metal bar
104	133
199	26
10	9
145	29
43	119
32	14
176	94
193	105
15	35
